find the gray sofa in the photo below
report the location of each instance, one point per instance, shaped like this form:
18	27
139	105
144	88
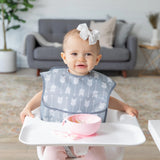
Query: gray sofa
53	30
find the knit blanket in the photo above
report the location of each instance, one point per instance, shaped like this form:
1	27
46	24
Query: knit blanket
41	40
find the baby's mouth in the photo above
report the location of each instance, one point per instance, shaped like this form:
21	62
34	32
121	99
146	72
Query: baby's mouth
81	65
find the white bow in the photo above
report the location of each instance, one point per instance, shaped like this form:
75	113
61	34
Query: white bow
85	33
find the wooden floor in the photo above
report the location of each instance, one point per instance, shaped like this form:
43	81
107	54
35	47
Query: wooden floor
142	152
18	151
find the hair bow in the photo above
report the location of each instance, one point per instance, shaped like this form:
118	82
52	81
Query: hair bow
85	33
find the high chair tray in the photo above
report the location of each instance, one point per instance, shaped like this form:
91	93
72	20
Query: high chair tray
37	132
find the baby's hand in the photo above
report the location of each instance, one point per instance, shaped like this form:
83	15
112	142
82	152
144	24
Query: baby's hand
131	111
24	113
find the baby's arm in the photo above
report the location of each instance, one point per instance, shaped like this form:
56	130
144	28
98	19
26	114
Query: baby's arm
121	106
31	105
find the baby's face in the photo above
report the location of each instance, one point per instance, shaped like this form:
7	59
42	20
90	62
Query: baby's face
79	56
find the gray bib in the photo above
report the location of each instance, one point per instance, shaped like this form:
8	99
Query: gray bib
65	94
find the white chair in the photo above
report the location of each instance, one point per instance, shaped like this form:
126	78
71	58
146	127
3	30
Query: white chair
112	152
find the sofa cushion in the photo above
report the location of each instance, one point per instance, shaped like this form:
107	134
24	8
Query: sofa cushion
47	53
53	30
108	55
106	30
122	31
114	55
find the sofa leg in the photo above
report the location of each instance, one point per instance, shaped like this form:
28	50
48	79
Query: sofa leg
124	73
38	72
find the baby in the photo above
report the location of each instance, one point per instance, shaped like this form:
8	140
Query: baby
76	89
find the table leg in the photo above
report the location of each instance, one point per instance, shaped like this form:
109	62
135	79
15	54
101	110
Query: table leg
154	60
151	62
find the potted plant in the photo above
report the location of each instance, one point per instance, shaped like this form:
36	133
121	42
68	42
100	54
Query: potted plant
9	13
153	19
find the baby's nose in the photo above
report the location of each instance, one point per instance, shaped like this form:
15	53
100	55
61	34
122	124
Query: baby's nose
81	58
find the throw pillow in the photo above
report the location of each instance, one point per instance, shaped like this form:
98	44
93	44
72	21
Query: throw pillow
106	29
122	31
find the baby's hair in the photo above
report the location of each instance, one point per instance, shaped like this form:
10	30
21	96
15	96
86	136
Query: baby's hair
75	32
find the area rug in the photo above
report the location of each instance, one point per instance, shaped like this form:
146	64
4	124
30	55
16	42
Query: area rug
142	93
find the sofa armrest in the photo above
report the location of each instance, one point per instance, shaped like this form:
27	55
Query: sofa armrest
30	44
131	45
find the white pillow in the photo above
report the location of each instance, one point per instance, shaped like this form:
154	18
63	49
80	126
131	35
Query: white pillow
106	29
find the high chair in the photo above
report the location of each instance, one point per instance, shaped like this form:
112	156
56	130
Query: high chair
123	131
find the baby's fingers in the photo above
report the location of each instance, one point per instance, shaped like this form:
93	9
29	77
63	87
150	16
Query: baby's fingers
134	113
22	116
25	113
30	115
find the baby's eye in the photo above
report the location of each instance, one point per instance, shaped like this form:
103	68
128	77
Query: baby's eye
74	54
88	54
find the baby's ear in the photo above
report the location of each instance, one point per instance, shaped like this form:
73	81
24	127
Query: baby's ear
98	59
63	56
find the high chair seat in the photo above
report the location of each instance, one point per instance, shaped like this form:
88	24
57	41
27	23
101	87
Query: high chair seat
114	146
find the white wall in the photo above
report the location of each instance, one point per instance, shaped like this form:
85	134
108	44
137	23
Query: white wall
133	11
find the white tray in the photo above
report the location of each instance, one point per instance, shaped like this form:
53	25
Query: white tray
37	132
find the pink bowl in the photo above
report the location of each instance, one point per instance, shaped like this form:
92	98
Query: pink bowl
83	124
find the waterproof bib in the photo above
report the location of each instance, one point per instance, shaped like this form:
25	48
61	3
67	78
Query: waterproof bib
65	94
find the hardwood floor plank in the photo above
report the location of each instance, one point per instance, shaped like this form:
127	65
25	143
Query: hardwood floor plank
142	152
18	151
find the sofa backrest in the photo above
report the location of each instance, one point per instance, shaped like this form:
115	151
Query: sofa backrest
53	30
